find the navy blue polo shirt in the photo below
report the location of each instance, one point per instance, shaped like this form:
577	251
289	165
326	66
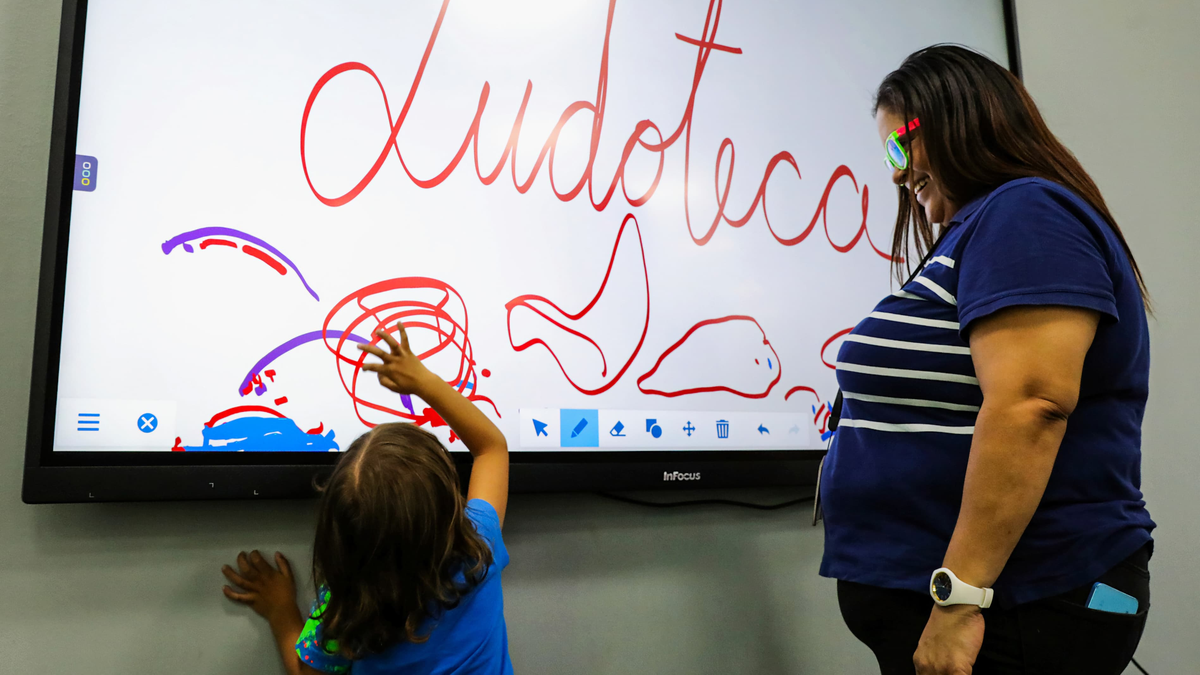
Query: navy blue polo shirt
893	481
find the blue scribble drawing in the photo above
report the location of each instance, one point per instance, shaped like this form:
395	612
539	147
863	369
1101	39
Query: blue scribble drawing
828	433
263	434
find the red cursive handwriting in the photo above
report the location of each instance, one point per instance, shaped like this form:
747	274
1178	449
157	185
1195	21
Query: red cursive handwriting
645	135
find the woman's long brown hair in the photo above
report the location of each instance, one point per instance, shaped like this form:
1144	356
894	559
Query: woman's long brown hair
979	129
392	535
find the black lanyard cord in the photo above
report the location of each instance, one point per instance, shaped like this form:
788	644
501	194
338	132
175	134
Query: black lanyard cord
927	257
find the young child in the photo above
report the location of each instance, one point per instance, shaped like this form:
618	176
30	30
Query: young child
408	572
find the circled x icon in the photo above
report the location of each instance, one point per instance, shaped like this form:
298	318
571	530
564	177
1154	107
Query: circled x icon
147	423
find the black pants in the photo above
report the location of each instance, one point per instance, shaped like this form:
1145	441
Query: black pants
1053	636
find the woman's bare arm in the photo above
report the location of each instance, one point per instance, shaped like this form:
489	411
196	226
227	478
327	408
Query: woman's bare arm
1029	361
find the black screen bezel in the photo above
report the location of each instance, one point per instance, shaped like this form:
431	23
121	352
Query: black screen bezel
80	476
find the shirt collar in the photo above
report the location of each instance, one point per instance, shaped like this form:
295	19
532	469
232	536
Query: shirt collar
968	209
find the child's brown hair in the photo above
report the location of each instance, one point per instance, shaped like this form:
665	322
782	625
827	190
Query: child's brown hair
392	535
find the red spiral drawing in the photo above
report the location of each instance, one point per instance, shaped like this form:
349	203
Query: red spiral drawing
422	304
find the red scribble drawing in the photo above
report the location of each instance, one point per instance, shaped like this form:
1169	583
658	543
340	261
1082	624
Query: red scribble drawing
802	388
427	307
646	136
829	342
281	400
730	354
255	384
559	325
822	410
271	262
239	410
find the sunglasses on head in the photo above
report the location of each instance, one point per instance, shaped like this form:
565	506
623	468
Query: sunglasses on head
897	156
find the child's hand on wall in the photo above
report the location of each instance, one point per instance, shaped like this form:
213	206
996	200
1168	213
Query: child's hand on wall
401	370
270	592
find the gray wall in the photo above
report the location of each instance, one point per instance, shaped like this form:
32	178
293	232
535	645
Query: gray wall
599	587
1119	83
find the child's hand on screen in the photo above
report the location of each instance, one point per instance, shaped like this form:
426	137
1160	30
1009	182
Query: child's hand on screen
270	592
401	370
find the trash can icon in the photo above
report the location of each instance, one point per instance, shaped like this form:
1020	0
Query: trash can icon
722	429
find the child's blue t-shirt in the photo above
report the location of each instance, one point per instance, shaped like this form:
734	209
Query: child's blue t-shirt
470	639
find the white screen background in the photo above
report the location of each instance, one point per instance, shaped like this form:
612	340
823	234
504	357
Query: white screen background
194	112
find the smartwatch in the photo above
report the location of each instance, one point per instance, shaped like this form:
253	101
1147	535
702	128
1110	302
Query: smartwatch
948	589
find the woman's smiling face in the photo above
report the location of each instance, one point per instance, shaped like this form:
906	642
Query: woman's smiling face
917	178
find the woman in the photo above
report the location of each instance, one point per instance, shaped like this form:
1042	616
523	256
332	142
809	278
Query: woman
991	424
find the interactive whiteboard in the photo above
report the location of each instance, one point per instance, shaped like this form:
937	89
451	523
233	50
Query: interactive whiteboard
614	226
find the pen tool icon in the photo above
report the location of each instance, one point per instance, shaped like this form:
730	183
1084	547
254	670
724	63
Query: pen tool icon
579	427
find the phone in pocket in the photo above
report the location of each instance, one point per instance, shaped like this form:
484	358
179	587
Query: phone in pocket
1105	598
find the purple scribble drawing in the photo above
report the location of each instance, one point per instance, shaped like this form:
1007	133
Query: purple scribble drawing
245	387
185	238
253	380
85	173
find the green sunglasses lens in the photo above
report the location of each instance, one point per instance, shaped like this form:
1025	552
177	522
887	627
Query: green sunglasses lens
896	155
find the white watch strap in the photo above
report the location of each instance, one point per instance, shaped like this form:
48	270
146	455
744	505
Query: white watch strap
987	598
961	593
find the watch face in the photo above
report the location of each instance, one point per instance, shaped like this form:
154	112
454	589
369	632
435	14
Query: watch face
941	586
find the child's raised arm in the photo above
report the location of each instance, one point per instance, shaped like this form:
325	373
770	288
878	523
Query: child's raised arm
403	373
